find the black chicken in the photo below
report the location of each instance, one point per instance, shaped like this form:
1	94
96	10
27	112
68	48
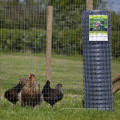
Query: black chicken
52	95
12	94
30	94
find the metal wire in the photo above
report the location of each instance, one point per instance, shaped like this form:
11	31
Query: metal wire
23	45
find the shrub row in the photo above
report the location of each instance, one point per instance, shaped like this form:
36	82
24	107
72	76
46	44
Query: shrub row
67	41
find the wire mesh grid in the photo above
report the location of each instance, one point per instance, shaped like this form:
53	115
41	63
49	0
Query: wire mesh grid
23	46
97	59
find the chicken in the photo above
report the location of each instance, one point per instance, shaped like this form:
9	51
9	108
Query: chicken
12	94
52	95
30	94
23	81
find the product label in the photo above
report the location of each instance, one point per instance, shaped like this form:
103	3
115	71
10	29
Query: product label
98	28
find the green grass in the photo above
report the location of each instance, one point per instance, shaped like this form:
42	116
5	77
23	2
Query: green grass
65	69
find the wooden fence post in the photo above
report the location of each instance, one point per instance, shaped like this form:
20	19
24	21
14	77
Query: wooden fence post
49	42
89	4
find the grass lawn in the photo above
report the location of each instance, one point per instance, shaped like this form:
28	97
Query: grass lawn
65	69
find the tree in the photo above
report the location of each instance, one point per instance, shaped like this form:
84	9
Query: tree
29	2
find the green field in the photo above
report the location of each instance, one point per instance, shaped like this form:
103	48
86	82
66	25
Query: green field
65	69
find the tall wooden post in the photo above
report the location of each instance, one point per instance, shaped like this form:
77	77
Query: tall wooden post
89	4
49	42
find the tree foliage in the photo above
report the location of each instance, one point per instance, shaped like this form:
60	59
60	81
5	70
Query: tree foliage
19	19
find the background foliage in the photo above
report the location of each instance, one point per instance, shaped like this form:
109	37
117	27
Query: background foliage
23	25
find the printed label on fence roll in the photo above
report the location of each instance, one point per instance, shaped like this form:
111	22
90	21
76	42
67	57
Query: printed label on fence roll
98	28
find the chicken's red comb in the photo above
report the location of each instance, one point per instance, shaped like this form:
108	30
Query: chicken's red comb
30	75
